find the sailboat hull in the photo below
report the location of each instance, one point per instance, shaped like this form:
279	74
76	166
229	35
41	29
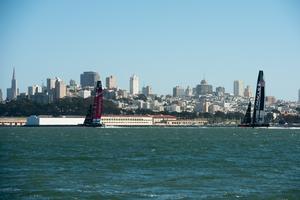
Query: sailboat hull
253	125
92	125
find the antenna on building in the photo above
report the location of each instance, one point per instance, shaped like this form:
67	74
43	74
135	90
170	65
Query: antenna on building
14	74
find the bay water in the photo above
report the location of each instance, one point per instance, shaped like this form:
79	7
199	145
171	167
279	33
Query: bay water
149	163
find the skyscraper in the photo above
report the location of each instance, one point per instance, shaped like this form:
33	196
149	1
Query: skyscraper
60	89
134	84
299	96
147	90
248	91
50	85
178	91
12	92
72	83
89	79
189	91
204	88
32	90
72	87
238	88
111	82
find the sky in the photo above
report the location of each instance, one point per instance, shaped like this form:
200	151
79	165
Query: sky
165	42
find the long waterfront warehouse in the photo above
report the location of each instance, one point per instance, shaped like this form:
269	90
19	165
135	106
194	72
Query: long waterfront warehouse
115	120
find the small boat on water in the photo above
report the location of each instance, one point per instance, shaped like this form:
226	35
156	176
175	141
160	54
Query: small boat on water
258	118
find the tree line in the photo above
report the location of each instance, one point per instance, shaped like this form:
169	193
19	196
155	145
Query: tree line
65	106
79	106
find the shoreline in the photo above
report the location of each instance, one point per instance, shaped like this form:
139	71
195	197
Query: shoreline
133	122
153	126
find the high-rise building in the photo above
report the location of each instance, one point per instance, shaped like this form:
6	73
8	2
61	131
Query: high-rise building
248	91
32	90
37	89
238	88
50	84
178	91
60	89
73	83
8	94
134	84
89	79
220	91
111	82
13	92
299	96
72	87
204	88
147	90
189	91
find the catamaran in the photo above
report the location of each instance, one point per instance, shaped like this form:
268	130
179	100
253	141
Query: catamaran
258	119
93	117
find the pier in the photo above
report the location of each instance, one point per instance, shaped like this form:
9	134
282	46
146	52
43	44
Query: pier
12	121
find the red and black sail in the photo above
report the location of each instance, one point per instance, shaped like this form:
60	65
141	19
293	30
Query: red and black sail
93	117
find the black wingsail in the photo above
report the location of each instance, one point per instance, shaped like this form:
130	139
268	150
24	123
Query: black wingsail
259	104
258	118
247	117
88	118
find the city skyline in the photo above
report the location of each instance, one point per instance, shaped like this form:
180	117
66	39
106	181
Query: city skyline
166	43
245	91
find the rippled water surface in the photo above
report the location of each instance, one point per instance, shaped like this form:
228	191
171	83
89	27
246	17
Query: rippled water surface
149	163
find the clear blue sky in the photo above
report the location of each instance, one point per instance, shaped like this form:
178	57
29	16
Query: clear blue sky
166	43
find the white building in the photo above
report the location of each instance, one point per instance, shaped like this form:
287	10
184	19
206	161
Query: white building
32	90
134	84
84	93
50	84
108	120
238	88
214	108
127	120
60	89
53	121
111	82
187	122
115	120
173	108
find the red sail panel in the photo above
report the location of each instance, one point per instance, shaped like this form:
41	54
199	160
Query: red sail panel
98	103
